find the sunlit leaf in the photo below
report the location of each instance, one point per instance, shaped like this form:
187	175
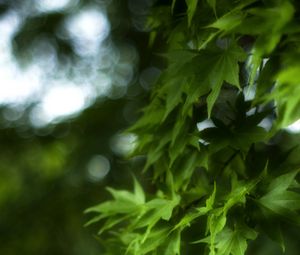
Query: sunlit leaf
234	242
173	244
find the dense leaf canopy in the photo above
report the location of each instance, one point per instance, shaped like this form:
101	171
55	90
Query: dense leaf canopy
212	134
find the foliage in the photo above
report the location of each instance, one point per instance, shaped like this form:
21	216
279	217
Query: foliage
218	187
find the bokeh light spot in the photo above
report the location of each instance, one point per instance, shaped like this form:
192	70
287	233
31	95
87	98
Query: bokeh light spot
54	5
294	128
59	101
87	29
123	144
98	167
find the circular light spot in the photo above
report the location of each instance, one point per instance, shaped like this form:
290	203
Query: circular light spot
87	29
123	144
98	167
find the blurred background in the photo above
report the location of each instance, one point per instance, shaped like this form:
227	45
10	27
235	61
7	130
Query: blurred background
73	75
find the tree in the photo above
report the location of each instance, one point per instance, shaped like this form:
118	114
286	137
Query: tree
220	172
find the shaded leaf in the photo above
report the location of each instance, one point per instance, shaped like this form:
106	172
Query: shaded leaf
192	6
281	202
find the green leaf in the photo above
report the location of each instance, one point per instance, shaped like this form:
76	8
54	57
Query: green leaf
203	74
232	19
269	24
114	207
95	219
212	4
213	95
197	212
245	136
138	192
281	202
187	220
173	244
226	68
162	208
267	77
172	86
254	64
124	202
156	151
174	96
192	6
215	224
153	115
136	245
154	211
186	170
111	222
287	86
124	196
173	5
282	183
234	242
230	241
238	194
211	200
228	22
217	218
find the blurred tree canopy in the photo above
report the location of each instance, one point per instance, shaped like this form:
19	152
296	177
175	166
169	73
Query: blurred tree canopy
51	172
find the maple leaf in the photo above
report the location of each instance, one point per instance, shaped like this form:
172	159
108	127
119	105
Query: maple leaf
225	68
279	201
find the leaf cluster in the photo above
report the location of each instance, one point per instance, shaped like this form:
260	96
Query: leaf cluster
229	88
